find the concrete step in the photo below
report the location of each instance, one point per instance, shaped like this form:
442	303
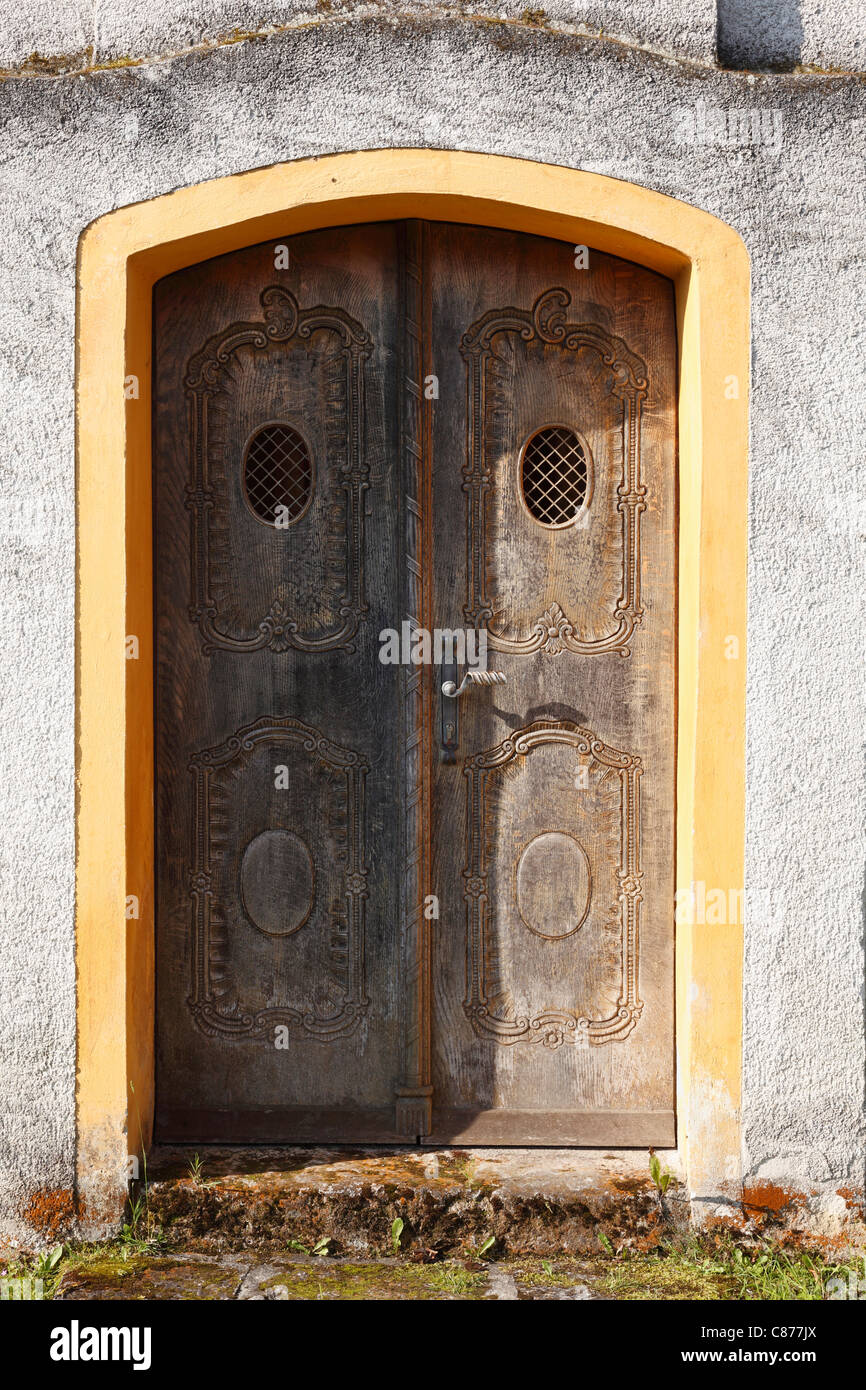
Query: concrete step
450	1201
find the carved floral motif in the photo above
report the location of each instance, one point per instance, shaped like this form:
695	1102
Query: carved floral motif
554	629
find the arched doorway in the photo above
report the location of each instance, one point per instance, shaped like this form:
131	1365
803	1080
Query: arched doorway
122	256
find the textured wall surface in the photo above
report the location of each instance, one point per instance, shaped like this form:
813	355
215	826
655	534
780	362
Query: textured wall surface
781	159
107	31
785	33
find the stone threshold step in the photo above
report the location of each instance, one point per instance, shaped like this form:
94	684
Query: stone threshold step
450	1201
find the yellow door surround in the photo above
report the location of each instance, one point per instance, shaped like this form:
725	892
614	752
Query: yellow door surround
121	255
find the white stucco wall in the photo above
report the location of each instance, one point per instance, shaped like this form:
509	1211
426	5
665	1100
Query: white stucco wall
788	33
77	146
749	33
139	28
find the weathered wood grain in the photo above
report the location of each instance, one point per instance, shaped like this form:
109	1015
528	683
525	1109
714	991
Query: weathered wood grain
537	1007
553	831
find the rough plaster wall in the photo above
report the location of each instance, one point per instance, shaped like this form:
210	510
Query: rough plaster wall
75	148
37	362
138	28
824	34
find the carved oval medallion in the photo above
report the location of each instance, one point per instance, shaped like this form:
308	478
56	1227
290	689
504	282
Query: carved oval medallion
277	882
552	885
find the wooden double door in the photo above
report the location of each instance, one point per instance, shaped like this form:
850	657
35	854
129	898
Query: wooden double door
386	914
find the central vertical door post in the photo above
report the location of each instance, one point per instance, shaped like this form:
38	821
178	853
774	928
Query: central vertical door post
416	388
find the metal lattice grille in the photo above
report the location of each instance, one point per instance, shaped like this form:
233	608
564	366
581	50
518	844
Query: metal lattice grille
278	474
555	476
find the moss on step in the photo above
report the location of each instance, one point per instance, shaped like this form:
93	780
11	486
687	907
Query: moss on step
108	1274
385	1280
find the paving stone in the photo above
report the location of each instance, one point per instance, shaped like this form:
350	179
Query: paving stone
293	1279
501	1285
175	1278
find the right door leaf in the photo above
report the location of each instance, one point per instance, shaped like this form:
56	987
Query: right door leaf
554	494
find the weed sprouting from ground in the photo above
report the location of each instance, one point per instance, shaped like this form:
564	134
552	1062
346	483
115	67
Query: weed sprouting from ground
700	1266
703	1268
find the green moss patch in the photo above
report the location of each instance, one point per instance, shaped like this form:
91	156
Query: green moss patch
386	1280
107	1275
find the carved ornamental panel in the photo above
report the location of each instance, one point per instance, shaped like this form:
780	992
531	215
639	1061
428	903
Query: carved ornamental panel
302	371
552	886
278	883
587	574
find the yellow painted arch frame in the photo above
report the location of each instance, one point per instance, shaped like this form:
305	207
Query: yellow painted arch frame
121	255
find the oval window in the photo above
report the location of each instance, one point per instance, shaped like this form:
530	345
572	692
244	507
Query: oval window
278	475
555	476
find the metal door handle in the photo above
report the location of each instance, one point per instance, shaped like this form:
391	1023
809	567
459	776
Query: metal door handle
452	690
